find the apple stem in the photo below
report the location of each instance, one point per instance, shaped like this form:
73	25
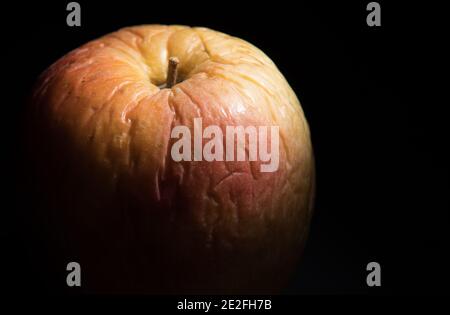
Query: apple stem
172	72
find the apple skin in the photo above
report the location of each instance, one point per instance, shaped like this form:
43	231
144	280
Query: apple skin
111	197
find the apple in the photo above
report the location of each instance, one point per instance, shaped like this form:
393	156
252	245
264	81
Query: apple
102	129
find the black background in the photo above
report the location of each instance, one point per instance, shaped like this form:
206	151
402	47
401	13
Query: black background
382	172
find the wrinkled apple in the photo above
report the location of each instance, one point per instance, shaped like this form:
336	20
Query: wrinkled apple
114	199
